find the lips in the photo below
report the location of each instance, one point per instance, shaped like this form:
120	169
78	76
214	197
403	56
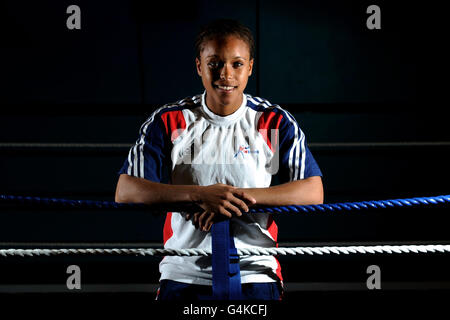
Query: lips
224	88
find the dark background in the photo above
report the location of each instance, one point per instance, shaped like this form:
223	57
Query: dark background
343	82
133	52
371	103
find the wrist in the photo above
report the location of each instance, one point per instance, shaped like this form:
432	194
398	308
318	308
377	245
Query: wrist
195	194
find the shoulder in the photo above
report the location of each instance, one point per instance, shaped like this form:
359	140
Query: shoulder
268	110
190	102
170	116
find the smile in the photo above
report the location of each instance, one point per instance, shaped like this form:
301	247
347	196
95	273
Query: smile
225	88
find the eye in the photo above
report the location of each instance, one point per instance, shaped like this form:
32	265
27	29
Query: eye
213	64
237	64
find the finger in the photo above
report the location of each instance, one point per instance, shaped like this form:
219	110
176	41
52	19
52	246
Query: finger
241	204
195	219
208	227
187	216
209	222
201	220
229	209
245	196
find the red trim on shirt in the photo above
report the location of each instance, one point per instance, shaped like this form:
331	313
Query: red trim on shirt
174	123
272	228
267	122
167	231
273	231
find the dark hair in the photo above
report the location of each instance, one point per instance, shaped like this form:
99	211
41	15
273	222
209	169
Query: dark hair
222	28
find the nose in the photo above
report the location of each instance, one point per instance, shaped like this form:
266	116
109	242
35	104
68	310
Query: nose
226	72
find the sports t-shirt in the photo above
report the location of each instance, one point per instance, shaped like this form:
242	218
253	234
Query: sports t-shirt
185	143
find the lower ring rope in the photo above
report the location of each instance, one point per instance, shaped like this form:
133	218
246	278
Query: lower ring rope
390	249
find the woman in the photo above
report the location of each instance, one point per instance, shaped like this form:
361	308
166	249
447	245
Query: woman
220	150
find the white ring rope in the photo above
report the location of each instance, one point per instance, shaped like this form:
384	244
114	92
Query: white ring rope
390	249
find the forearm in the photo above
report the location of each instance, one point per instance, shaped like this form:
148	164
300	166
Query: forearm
137	190
300	192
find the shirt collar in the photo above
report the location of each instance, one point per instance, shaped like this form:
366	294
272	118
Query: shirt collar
223	119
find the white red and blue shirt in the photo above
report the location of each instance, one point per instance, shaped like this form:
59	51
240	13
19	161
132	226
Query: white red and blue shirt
185	143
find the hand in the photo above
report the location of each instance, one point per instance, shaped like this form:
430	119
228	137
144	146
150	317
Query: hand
223	199
203	220
219	201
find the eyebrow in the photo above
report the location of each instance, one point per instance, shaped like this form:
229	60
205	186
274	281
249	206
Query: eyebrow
215	56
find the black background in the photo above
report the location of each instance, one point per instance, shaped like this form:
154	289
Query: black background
343	83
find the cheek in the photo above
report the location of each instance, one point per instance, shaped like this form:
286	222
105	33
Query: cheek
243	78
206	76
209	75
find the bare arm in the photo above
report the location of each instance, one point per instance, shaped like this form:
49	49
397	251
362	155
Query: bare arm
219	198
131	189
299	192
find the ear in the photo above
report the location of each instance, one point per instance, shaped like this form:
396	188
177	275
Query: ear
250	67
198	64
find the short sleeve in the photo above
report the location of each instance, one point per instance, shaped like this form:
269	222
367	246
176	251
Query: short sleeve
296	161
149	158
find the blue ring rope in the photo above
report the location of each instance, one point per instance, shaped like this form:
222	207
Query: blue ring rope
320	208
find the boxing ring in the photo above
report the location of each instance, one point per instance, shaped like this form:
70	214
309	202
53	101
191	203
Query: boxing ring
343	208
403	209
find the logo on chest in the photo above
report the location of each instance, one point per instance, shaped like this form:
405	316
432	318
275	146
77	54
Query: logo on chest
244	150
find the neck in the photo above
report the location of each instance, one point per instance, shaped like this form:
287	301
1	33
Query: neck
222	109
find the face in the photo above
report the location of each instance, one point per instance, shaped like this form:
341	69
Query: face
224	66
